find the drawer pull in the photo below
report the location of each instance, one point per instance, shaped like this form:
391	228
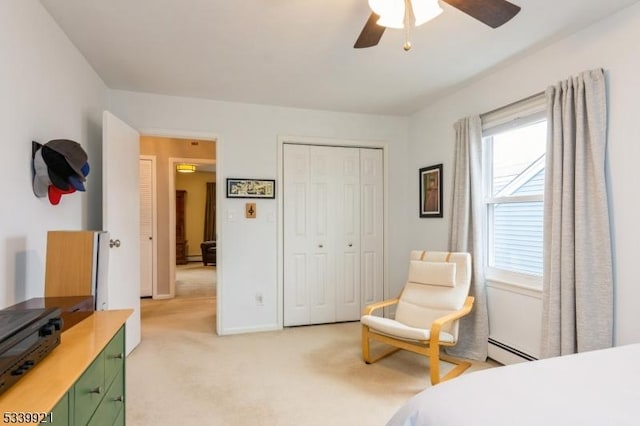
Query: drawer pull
119	398
97	390
117	356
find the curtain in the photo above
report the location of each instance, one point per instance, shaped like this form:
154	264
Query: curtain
210	213
465	234
577	299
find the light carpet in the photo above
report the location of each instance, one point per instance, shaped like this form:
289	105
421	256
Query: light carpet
182	373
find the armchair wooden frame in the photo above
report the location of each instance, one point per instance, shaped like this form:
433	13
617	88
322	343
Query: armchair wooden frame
429	348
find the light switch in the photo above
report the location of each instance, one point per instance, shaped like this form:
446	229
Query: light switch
231	215
250	210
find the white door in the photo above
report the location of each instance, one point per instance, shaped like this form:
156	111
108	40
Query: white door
346	222
372	227
121	217
297	258
321	244
147	228
330	270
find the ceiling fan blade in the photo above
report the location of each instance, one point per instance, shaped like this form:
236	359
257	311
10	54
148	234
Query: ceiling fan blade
371	33
491	12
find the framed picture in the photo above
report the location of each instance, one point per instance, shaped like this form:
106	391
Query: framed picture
431	191
251	188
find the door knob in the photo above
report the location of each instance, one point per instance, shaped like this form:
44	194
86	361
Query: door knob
320	246
114	243
350	244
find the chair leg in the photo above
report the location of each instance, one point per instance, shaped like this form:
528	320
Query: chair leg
434	364
366	349
460	366
365	344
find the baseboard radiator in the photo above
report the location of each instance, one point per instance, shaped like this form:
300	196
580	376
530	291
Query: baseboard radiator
506	354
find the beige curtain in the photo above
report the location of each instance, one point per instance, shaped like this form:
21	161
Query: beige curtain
465	234
210	213
578	277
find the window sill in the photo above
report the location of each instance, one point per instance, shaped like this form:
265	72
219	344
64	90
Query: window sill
519	288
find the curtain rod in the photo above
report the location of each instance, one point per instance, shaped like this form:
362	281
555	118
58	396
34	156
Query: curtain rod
511	104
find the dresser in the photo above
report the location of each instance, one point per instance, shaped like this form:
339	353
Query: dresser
82	381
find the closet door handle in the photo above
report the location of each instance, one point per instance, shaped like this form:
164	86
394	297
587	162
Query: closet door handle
320	246
350	244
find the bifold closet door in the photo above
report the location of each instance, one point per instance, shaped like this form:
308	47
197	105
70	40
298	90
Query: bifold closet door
323	224
372	226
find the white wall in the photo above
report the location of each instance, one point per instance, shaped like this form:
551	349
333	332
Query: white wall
611	44
48	91
247	147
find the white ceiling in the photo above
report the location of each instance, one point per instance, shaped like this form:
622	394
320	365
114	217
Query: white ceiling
298	53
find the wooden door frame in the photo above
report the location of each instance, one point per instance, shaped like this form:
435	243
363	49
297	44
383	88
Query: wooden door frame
348	143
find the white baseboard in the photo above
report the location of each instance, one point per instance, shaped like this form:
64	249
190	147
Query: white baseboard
506	355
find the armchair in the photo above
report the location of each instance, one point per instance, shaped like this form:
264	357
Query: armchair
209	252
433	300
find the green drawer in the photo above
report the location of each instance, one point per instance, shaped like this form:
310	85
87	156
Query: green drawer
120	420
60	413
114	357
89	390
111	406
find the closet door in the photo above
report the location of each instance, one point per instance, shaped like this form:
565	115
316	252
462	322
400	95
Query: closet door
297	231
372	229
346	223
322	237
311	185
329	268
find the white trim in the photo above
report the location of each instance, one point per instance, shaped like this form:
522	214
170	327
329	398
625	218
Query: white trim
515	199
306	140
154	224
243	330
523	287
179	134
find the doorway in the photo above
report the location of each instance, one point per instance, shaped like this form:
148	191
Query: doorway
169	151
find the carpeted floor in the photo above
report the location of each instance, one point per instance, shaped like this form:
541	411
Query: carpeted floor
182	373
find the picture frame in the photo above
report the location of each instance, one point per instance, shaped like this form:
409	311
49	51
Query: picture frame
251	188
431	191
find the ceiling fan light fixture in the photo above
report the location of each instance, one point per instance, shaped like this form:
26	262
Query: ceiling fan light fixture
393	12
185	168
425	10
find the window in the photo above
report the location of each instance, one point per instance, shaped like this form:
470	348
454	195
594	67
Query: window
514	145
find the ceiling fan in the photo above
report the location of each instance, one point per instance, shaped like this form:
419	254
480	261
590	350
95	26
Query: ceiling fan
493	13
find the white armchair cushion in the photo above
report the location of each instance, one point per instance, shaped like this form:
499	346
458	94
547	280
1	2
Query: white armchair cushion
432	273
397	329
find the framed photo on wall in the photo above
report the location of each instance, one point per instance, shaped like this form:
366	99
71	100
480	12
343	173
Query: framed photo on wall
251	188
431	191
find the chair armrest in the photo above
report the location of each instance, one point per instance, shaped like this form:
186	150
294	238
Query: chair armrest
439	322
372	307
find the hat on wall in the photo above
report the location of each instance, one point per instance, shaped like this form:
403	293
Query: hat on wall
59	169
55	193
75	180
41	180
72	153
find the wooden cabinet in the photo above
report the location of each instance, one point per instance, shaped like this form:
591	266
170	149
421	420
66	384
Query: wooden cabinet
97	397
81	382
181	234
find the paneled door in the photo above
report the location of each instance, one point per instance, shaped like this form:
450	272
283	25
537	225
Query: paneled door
323	224
147	226
121	218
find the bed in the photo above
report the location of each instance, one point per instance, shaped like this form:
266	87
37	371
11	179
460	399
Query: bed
592	388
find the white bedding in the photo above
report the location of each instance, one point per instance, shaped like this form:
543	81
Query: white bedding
597	388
